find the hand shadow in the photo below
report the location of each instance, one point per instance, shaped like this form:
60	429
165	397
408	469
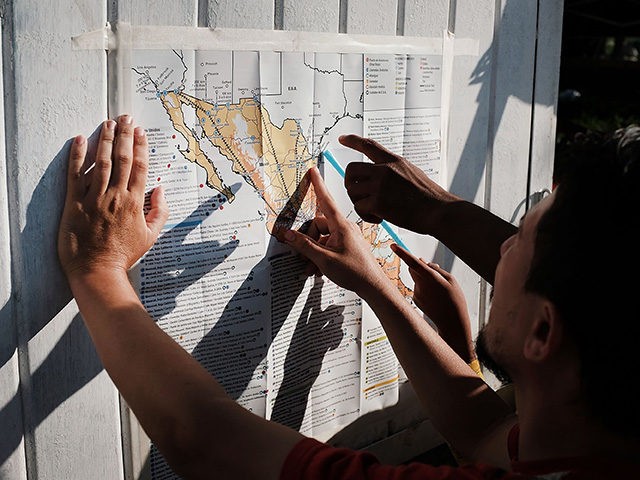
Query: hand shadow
239	340
317	332
237	344
173	264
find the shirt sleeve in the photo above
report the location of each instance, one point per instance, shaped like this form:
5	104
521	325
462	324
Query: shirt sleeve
313	460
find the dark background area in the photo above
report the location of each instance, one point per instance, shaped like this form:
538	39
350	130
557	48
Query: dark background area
599	86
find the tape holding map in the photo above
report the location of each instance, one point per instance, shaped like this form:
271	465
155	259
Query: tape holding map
232	131
150	37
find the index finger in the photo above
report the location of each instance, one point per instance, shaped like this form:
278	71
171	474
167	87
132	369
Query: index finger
411	260
372	149
325	201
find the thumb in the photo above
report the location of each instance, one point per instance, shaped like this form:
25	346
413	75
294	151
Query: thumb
158	213
307	247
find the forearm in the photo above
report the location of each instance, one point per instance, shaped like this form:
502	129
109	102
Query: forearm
461	406
460	342
182	408
472	233
159	380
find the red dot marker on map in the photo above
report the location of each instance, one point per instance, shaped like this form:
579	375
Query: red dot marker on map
158	178
201	185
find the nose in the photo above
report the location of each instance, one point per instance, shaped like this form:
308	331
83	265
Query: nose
506	244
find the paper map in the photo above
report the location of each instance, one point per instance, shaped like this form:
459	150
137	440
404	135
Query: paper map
231	136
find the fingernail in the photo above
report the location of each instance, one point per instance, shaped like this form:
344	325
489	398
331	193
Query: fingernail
289	235
139	132
126	119
111	124
80	140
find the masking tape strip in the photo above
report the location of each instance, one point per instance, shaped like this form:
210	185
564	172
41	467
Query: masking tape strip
124	102
145	37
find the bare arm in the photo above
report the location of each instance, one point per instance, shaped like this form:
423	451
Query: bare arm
471	232
463	408
183	409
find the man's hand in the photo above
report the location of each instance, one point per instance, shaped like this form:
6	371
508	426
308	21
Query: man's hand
337	247
437	293
391	188
103	224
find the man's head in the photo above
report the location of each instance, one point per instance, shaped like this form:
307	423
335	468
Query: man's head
583	259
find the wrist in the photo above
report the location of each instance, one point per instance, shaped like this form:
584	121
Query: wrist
439	206
98	277
380	289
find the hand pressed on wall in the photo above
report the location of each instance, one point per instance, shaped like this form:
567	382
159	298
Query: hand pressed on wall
103	224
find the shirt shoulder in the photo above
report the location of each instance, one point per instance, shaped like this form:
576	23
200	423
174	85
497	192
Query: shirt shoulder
310	460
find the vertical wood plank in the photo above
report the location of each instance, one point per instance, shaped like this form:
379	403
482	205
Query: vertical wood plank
12	459
70	406
241	14
546	94
156	12
425	18
372	16
311	16
513	107
509	119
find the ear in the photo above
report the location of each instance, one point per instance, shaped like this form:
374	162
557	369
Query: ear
545	333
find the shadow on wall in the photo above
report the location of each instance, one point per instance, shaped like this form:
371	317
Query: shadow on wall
38	299
234	348
491	101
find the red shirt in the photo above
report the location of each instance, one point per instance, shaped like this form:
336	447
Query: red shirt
310	460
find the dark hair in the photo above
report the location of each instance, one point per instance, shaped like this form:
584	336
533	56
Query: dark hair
587	262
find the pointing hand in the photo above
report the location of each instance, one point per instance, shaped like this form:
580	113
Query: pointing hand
340	252
391	188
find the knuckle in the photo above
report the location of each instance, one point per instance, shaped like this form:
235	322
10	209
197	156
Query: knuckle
140	140
76	176
102	164
349	171
77	154
107	136
125	131
123	157
140	166
369	143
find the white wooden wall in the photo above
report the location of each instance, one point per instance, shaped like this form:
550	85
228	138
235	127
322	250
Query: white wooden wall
59	413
